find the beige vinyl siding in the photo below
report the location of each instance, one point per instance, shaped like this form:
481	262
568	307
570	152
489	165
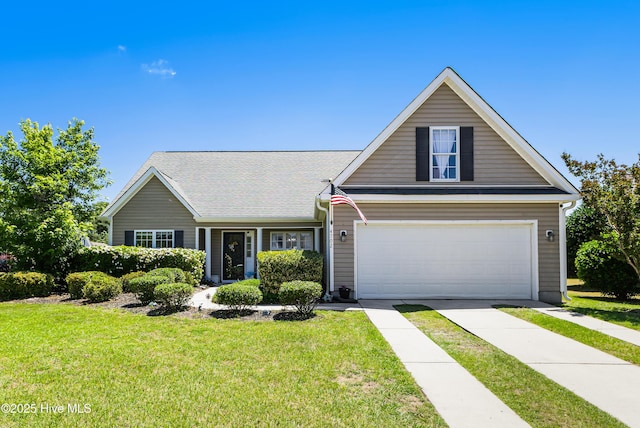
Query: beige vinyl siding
154	207
495	162
545	213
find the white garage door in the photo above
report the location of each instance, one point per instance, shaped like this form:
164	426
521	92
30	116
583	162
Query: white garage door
446	260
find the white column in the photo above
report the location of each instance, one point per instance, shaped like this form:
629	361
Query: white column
207	249
316	239
258	248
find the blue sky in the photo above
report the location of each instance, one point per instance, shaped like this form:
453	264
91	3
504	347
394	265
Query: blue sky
316	75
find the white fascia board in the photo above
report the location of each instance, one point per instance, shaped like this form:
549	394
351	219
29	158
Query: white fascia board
138	185
465	198
460	198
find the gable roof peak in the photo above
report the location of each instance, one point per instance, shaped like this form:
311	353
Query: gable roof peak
463	90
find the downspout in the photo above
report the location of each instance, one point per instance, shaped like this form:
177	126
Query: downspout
327	295
563	248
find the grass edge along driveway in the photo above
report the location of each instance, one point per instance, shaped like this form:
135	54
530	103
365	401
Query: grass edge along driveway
132	370
535	398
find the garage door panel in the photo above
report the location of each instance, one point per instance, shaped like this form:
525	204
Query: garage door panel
492	260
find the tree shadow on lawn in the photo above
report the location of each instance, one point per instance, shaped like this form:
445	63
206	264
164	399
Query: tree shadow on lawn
622	315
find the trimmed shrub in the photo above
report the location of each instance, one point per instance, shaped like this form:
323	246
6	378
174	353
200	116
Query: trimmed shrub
101	288
145	286
174	274
253	282
121	260
238	296
303	295
173	296
277	267
600	266
124	279
93	285
18	285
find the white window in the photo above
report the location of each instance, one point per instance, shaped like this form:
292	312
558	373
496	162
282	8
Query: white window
154	238
445	153
291	240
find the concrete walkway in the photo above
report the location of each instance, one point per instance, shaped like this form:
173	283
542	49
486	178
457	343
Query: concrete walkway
458	396
609	383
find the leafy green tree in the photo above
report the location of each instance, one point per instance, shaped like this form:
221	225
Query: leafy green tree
613	190
583	225
99	231
47	190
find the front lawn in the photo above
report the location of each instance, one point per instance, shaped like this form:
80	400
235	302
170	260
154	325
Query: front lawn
135	370
534	397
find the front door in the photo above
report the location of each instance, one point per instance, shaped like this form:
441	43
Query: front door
233	256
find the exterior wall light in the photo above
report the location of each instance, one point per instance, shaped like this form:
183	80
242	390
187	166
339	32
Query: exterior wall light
343	235
550	235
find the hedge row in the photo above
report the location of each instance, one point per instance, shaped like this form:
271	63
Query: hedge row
19	285
277	267
170	287
121	260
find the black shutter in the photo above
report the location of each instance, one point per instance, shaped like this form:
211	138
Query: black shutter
128	238
178	238
466	153
423	158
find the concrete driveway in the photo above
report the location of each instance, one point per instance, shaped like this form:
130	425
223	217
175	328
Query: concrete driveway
609	383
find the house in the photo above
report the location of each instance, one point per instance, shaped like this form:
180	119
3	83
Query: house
458	204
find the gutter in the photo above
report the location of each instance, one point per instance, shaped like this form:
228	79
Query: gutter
327	295
563	248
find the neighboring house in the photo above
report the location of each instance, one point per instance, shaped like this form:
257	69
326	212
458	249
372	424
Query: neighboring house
458	204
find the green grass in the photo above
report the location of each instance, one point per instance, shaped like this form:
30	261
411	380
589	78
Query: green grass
593	303
139	371
616	347
535	398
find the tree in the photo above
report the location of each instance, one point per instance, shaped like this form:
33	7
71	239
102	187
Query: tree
47	193
613	190
583	225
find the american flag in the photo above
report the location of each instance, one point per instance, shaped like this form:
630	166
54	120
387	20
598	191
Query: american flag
339	197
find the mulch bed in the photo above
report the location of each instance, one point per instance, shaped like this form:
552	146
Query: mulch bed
130	303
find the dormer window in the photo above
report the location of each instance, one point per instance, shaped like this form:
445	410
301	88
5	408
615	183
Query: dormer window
445	153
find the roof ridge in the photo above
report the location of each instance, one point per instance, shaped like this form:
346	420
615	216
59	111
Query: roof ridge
259	151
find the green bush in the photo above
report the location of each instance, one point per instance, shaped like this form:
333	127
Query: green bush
93	285
174	274
238	296
253	282
303	295
277	267
145	286
18	285
173	296
121	260
600	266
126	278
101	288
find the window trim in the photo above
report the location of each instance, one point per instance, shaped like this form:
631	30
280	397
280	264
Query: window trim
155	237
432	165
284	242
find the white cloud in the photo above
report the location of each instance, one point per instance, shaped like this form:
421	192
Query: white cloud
122	48
159	68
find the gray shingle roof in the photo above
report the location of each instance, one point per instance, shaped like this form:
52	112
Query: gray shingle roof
252	185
